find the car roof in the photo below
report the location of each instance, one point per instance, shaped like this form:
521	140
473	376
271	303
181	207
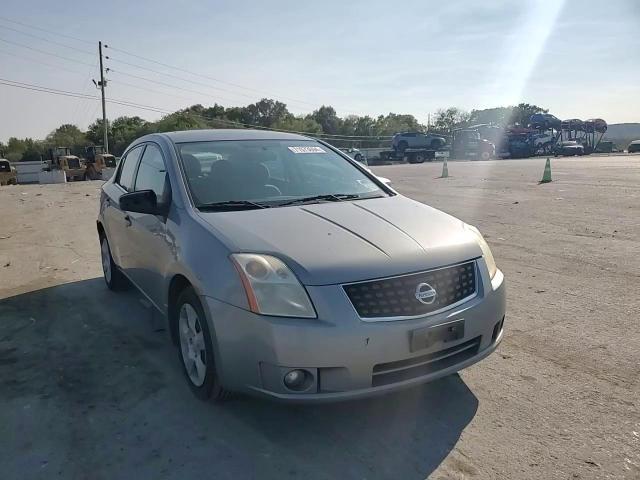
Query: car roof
212	135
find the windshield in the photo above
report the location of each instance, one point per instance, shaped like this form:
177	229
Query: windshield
270	172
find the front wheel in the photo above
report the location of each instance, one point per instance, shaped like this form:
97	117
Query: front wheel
196	349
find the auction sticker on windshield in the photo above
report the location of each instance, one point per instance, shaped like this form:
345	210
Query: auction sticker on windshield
306	150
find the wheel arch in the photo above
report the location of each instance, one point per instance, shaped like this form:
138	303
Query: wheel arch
100	228
176	285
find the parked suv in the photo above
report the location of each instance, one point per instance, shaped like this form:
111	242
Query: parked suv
288	270
402	141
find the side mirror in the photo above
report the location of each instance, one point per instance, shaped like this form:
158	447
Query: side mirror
144	201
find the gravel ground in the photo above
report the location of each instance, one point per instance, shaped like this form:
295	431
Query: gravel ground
89	389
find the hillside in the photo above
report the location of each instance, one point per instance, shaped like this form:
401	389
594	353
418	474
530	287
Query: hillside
623	133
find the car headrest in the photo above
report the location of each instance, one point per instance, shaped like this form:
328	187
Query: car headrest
191	165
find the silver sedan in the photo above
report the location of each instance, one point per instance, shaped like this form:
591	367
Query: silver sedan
286	269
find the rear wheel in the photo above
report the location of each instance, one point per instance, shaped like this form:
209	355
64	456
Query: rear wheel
112	275
196	348
485	155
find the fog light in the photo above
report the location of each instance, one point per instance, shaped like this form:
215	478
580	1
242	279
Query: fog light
295	379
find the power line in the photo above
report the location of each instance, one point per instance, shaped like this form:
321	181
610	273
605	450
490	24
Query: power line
166	65
40	62
179	78
45	52
27	86
111	70
146	89
48	40
66	93
45	30
37	88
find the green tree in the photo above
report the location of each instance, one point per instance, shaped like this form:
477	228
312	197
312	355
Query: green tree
180	120
68	135
15	149
327	118
522	113
360	126
125	130
498	116
446	120
265	113
394	123
298	124
95	133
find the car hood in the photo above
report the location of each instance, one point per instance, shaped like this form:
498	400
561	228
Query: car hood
330	243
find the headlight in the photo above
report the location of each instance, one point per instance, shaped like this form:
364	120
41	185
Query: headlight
271	288
486	251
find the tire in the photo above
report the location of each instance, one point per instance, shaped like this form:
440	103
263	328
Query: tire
419	158
402	146
194	344
358	158
113	277
485	156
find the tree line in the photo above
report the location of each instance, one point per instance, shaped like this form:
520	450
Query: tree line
265	113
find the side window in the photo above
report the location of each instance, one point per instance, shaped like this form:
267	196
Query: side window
152	172
128	169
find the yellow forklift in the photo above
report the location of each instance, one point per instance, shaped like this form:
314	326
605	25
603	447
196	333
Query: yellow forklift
60	158
97	162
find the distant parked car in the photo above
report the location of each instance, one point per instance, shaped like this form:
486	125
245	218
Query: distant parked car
355	154
569	148
634	146
544	121
402	141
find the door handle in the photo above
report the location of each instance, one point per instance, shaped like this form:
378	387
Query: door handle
127	220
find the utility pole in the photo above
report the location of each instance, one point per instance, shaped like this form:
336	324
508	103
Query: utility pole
104	108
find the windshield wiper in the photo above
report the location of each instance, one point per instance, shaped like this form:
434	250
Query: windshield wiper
232	205
335	197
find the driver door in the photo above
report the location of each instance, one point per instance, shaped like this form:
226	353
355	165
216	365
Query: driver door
152	246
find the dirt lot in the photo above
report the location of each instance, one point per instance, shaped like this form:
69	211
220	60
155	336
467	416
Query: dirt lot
89	390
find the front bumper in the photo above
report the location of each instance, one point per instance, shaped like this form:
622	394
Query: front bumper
344	354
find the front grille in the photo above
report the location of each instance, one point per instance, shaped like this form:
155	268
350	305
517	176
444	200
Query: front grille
394	372
398	296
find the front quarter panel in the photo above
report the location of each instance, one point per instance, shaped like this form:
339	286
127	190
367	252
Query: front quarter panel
202	256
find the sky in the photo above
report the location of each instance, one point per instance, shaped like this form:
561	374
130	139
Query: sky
578	58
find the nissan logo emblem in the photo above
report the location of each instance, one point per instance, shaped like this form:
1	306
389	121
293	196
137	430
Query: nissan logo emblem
425	293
